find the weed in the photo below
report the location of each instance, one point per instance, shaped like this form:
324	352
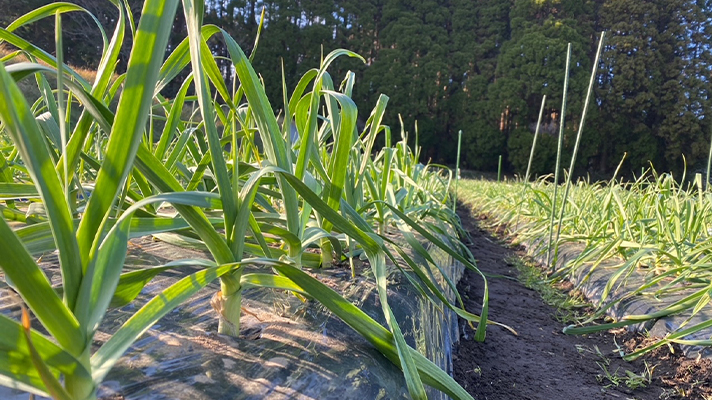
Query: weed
630	379
568	308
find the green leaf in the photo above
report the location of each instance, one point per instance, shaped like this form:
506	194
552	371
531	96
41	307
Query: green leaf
18	373
126	133
372	331
270	281
164	181
104	359
104	73
343	142
51	10
173	119
131	283
41	55
412	378
17	191
51	382
37	238
274	144
104	270
204	66
482	325
29	280
14	346
29	140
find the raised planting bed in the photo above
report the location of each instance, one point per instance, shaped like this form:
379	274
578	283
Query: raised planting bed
296	208
592	278
287	349
637	251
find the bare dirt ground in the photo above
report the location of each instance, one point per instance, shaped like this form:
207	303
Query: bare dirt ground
543	363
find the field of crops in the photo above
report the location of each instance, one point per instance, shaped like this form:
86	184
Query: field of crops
638	247
277	192
645	241
88	165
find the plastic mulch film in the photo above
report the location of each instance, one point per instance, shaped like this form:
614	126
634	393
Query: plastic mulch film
288	349
592	278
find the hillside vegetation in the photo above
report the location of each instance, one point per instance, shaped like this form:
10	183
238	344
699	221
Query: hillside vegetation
479	66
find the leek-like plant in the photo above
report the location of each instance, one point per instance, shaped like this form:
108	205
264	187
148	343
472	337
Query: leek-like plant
91	254
101	178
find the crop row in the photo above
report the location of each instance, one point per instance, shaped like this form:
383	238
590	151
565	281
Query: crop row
89	165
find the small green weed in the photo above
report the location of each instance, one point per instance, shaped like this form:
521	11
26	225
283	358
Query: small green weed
569	308
630	379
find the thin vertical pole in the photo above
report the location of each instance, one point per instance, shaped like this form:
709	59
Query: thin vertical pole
457	167
562	121
536	135
578	140
709	162
499	168
529	166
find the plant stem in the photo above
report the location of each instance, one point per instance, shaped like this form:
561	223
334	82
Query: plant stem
80	388
228	304
327	253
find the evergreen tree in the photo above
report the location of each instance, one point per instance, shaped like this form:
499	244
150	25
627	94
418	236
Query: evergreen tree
477	66
479	31
655	90
532	64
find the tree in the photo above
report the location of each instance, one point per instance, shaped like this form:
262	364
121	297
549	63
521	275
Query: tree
477	66
655	88
532	64
479	30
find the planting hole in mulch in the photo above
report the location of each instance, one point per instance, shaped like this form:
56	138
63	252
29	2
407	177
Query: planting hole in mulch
541	362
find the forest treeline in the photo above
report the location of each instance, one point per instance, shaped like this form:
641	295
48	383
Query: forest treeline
480	66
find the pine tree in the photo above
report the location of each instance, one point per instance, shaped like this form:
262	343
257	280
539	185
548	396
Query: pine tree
479	30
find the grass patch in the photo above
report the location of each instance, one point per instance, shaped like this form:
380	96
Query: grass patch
569	304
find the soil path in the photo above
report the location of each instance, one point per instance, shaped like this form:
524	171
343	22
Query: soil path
540	362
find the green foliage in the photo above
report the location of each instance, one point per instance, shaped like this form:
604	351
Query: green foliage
471	66
518	148
484	146
653	89
250	187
